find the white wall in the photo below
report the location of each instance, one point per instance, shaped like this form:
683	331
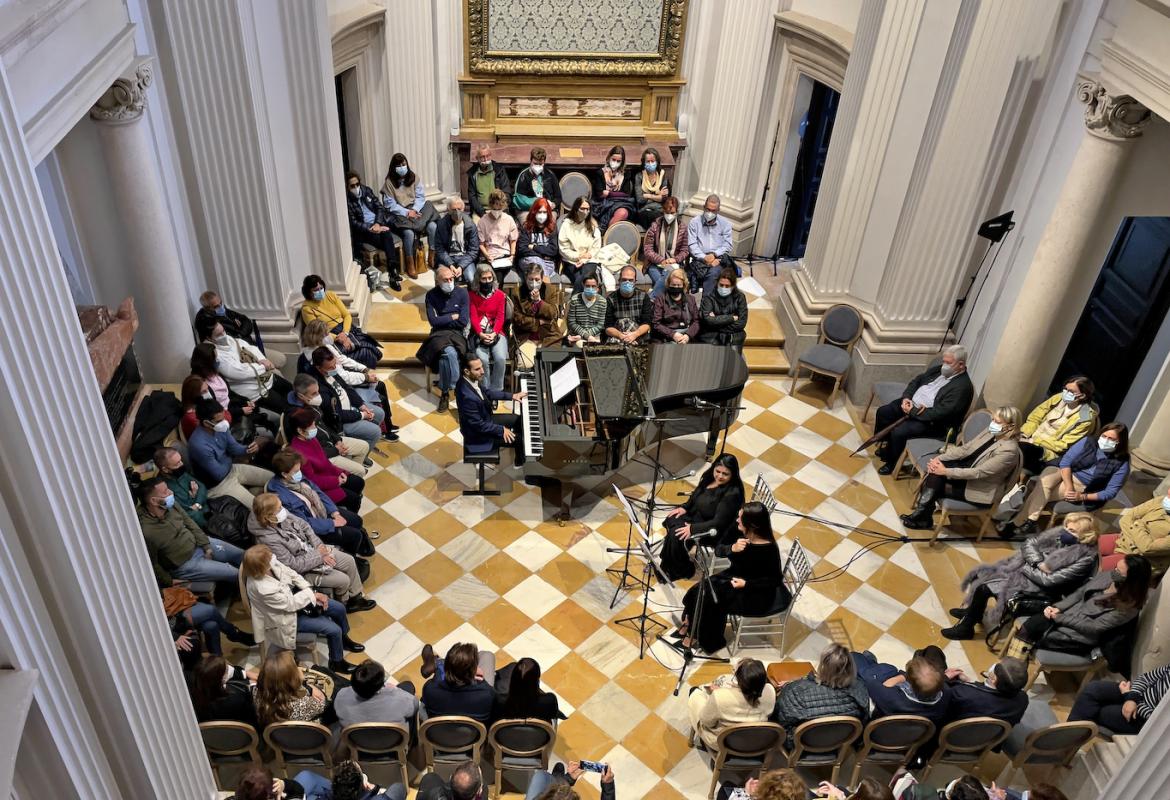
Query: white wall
842	13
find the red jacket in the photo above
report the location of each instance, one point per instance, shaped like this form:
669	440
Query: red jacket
491	307
318	468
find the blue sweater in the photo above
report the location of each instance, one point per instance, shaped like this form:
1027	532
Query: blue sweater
212	453
900	698
440	307
295	505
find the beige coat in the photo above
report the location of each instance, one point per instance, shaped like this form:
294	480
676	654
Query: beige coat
711	713
993	469
274	600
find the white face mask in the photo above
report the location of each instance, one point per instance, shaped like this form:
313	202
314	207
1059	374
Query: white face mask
947	370
996	428
614	163
541	217
447	286
534	285
1106	444
281	516
223	426
356	191
669	218
708	216
537	169
206	395
495	213
315	400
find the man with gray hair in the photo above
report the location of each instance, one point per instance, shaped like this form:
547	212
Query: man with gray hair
932	403
1000	694
466	784
709	240
457	241
483	177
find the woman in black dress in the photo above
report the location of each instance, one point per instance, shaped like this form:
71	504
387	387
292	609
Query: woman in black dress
713	504
747	587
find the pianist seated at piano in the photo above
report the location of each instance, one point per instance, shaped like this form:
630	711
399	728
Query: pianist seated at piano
498	235
713	506
587	311
723	313
536	314
448	312
674	315
627	311
479	425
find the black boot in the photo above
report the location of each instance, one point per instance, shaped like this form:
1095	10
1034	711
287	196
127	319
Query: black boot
961	631
444	402
342	667
359	603
428	661
238	636
921	518
352	646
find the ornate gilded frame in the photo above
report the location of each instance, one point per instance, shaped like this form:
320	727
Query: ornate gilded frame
663	63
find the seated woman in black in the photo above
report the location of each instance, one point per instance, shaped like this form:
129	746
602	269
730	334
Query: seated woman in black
747	587
713	505
525	698
222	693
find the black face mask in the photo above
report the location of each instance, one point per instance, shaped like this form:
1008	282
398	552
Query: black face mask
485	287
674	292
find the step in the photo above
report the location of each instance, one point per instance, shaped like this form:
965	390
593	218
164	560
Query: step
763	329
399	355
397	322
766	360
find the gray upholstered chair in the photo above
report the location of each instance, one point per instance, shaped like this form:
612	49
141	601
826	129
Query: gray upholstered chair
378	747
888	391
1053	746
229	744
824	742
919	452
841	327
573	185
625	234
891	742
449	741
747	749
520	745
964	742
300	745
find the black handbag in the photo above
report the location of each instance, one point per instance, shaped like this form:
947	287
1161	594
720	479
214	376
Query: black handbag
1024	604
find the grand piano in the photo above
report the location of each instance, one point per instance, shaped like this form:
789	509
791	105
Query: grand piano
589	411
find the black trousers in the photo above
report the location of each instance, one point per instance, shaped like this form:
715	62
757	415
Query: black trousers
944	486
512	423
276	400
676	554
352	488
349	537
709	632
384	241
1034	458
1101	702
910	429
978	606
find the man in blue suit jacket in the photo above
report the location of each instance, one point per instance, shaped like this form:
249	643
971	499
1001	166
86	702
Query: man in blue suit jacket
480	426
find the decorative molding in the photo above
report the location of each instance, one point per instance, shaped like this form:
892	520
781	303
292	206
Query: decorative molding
1115	117
125	100
663	61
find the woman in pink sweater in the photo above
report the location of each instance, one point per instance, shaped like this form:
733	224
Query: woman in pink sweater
487	325
343	488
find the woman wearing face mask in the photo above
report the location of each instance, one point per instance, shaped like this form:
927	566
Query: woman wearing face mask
363	379
1091	473
195	388
1057	424
1145	531
536	182
1051	564
712	506
409	213
664	246
538	240
586	312
674	315
579	240
498	235
723	314
322	304
651	187
973	471
250	376
613	189
486	337
305	499
342	487
537	320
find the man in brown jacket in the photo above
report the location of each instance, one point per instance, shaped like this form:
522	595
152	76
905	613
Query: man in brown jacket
537	318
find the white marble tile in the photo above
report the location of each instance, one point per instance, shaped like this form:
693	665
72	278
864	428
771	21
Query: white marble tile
615	711
403	548
409	507
890	650
749	411
692	775
419	434
393	647
809	648
468	595
535	596
907	558
843	515
469	549
637	778
875	607
470	510
793	409
528	508
887	515
537	643
420	403
929	606
751	441
465	633
413	468
806	442
591	551
607	651
863	565
533	550
400	595
595	597
811	607
821	477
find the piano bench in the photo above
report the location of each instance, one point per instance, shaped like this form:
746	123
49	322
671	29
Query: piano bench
480	459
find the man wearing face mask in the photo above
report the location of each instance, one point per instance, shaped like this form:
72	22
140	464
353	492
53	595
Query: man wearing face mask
723	313
536	317
457	241
709	240
179	549
190	493
932	403
212	451
534	182
498	235
448	311
367	225
627	311
1000	694
235	324
665	245
347	452
482	177
248	372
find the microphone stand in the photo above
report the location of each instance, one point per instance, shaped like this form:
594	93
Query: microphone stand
688	651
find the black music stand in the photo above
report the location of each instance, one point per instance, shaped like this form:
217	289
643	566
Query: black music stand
643	622
688	652
627	579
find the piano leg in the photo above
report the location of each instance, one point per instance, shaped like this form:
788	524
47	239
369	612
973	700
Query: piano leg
713	436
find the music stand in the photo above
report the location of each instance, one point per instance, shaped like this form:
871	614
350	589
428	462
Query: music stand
624	573
651	566
687	652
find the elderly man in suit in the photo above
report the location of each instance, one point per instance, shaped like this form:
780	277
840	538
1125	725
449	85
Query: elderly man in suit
480	426
1000	694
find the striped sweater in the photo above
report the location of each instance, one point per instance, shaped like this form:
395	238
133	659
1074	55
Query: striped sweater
1148	689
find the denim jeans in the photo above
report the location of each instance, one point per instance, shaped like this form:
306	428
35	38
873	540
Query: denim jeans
367	430
448	369
408	238
658	276
494	357
333	625
462	263
208	621
222	566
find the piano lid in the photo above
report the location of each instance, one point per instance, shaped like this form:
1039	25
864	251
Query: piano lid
715	373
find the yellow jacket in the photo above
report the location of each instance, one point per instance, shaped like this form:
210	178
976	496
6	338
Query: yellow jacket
1145	531
330	310
1076	427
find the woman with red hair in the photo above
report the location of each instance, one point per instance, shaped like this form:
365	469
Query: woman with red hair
538	240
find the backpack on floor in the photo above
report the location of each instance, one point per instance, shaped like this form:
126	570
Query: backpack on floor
227	519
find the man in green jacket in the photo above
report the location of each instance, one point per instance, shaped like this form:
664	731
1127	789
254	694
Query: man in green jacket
179	549
190	492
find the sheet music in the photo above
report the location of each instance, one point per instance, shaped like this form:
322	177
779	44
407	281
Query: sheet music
564	380
502	263
670	596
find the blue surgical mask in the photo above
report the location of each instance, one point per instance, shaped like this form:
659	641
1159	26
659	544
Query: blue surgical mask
996	428
447	286
1068	397
311	433
650	166
401	170
297	476
334	371
724	291
1106	445
627	287
169	501
221	311
590	292
318	294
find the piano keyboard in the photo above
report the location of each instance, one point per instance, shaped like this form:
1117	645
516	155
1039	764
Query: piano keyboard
530	416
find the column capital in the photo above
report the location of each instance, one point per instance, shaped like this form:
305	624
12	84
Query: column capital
1114	117
125	100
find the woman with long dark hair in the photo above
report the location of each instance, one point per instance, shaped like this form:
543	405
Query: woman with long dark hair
221	692
712	506
613	189
578	241
525	698
410	214
651	187
749	586
745	696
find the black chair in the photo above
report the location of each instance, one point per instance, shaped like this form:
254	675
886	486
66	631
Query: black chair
746	749
891	742
449	741
302	745
491	456
963	743
229	744
824	742
520	745
378	746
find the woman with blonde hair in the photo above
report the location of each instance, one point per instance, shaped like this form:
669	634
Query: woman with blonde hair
281	694
674	316
363	379
974	471
832	690
1048	566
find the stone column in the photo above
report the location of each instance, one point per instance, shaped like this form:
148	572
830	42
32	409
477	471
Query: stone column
164	344
1112	122
80	603
416	121
1151	429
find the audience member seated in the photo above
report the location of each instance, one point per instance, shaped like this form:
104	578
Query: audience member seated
920	689
537	244
1079	622
525	699
456	242
709	241
282	605
587	308
498	235
343	488
867	789
1001	694
1145	531
326	306
408	212
627	311
358	418
247	371
212	449
488	306
726	701
579	241
749	586
350	783
1057	424
373	697
713	505
222	693
1122	706
613	190
556	785
281	693
1091	473
179	550
448	311
466	784
832	690
294	544
365	381
348	452
536	182
973	471
190	493
723	314
212	386
466	687
483	178
235	324
367	225
965	787
651	187
664	247
674	315
335	526
933	403
206	620
776	784
1049	565
536	314
256	783
479	424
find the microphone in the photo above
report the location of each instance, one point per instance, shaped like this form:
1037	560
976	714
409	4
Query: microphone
704	534
695	402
